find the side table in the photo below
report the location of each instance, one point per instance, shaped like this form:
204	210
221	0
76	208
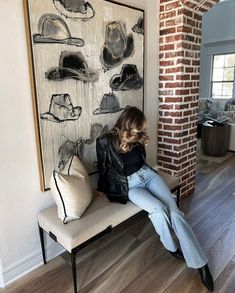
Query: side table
215	140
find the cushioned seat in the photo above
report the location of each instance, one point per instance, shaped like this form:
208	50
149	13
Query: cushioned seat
99	215
172	181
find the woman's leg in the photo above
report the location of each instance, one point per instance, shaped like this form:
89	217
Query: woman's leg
194	256
157	211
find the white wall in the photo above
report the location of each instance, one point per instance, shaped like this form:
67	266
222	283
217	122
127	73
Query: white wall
218	37
20	197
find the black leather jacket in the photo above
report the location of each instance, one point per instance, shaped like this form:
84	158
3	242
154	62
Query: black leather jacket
112	178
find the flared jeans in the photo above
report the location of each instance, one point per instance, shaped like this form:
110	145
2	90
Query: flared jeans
148	190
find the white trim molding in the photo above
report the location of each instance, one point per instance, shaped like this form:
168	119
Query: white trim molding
28	264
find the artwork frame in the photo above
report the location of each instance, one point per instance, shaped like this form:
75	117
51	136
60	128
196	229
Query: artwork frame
72	107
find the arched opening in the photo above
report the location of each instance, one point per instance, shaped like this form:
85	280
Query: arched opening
216	138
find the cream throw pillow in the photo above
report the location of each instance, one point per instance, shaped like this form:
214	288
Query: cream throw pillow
71	190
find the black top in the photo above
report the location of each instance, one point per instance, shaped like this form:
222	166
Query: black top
133	160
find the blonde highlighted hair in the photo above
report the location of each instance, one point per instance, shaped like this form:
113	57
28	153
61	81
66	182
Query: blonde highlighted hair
129	130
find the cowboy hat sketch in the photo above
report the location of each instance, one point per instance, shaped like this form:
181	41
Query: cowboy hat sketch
139	26
117	45
128	79
61	109
55	30
68	149
109	104
72	65
96	131
75	9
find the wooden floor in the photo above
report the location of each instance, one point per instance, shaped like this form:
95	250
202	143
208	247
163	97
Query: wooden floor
132	259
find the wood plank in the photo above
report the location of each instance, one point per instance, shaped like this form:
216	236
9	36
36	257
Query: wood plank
127	269
157	277
187	282
226	280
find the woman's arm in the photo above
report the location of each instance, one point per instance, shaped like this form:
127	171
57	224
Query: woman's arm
101	152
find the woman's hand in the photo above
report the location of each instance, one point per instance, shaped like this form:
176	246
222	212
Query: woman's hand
97	193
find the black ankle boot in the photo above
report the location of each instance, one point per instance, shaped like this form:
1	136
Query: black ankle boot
178	254
206	277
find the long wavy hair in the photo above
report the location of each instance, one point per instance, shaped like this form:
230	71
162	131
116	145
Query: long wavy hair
129	130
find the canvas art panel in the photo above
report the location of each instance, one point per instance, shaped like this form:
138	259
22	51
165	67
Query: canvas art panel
87	65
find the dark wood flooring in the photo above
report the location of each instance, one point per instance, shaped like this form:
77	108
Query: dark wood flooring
132	259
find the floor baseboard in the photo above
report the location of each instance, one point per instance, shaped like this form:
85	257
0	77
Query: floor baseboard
28	264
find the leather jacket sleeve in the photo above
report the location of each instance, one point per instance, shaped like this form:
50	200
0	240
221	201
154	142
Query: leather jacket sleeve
101	152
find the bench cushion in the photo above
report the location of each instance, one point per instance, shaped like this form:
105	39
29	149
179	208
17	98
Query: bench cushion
170	180
99	215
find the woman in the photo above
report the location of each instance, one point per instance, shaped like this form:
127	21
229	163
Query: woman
124	175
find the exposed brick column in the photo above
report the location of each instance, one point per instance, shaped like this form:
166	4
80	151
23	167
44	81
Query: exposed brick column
180	39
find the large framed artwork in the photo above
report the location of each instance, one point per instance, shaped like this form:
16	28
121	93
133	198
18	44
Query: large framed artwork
87	65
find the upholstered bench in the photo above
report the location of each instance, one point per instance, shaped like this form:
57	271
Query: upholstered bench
100	217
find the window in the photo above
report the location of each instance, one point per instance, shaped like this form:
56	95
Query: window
222	83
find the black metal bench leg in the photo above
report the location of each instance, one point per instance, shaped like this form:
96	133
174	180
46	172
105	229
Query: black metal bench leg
73	263
42	244
178	197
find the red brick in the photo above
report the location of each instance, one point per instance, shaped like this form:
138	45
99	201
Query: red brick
182	92
181	106
174	84
165	159
165	120
166	77
166	107
173	70
173	5
167	15
167	47
171	154
164	146
188	84
164	133
166	63
172	127
173	114
183	77
173	100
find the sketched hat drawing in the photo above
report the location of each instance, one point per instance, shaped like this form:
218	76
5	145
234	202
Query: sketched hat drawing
55	30
75	9
68	149
96	130
61	109
109	104
139	26
117	45
72	65
128	79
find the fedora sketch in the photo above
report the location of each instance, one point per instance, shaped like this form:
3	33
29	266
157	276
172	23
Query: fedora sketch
109	104
96	131
72	65
55	30
128	79
117	46
61	109
139	26
68	149
75	9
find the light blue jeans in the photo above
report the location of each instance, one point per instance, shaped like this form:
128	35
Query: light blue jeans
149	191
